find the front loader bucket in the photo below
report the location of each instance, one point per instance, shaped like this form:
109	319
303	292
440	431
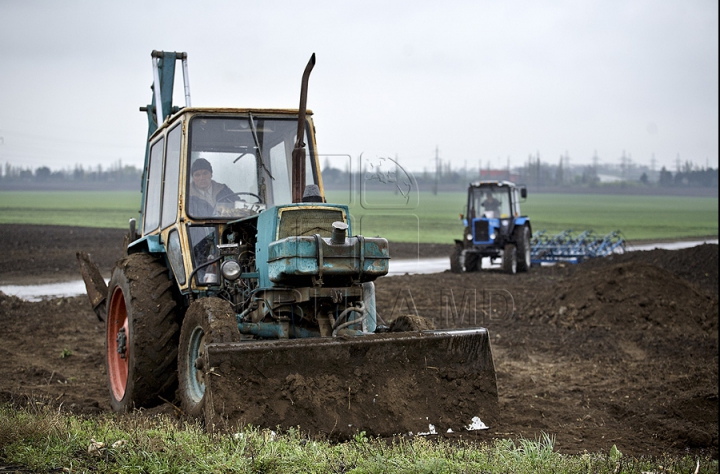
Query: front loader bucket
383	384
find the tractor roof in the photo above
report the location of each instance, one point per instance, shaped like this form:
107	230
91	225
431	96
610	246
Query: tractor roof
229	111
481	184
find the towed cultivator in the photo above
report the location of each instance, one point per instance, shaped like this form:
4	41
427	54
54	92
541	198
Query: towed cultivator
566	247
248	297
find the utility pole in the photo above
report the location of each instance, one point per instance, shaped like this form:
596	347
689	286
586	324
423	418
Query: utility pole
437	170
567	173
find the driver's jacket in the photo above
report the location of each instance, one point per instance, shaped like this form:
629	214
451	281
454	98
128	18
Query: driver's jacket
203	203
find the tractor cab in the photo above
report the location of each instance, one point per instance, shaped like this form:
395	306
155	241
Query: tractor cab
490	202
210	167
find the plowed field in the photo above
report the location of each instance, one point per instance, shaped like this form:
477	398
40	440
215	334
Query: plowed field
622	350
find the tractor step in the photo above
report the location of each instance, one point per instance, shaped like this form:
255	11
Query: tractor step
383	384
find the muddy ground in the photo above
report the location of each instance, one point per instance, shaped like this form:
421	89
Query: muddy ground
620	351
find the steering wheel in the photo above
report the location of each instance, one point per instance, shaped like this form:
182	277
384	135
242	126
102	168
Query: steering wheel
229	196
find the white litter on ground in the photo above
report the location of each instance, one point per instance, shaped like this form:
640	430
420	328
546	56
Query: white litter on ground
476	424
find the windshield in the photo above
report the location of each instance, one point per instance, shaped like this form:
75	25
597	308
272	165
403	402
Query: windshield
239	167
490	202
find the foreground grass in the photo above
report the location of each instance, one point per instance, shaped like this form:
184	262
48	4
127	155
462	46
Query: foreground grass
44	440
421	217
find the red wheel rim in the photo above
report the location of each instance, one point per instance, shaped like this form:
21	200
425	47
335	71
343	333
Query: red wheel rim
117	361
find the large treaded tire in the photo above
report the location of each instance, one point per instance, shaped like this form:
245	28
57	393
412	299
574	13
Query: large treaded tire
207	320
472	262
455	266
143	309
509	259
522	239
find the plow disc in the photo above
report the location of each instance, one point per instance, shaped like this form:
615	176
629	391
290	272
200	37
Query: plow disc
384	384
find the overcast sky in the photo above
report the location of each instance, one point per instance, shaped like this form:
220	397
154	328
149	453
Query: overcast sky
483	81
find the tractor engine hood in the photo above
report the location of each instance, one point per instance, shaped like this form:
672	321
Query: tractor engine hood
359	258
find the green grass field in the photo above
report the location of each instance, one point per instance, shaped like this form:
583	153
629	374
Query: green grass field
423	217
436	218
81	208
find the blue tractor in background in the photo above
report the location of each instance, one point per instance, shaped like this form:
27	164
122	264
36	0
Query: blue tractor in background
494	228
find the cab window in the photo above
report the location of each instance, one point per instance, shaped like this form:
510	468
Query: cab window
153	188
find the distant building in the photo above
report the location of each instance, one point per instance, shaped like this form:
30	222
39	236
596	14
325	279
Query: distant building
498	175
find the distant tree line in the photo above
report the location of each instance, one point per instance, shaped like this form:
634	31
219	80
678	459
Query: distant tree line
537	173
689	177
534	172
114	173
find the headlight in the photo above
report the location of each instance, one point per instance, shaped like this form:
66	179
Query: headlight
504	222
492	236
469	236
230	270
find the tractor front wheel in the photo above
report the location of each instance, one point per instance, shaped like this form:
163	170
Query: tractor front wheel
509	259
522	238
455	266
141	333
472	262
207	320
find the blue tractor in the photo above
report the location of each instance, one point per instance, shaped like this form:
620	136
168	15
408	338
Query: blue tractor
249	299
494	228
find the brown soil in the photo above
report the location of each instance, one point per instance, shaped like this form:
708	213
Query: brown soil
620	351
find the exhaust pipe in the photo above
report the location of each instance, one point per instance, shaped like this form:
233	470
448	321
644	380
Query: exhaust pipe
298	154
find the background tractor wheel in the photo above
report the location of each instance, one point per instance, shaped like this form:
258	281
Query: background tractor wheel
472	262
455	266
509	259
141	333
207	320
522	238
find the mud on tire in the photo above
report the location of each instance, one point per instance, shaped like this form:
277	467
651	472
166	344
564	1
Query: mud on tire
141	333
206	321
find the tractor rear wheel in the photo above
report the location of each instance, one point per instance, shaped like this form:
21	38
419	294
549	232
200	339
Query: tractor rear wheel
522	238
207	320
141	333
509	259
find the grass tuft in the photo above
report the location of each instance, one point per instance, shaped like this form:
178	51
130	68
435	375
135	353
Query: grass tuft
42	439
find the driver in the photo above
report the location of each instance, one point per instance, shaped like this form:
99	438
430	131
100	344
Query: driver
491	204
205	193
